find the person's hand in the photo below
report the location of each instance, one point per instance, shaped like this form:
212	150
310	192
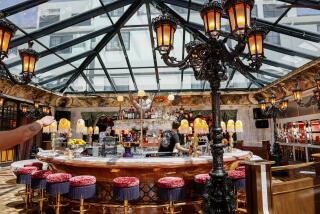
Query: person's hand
47	120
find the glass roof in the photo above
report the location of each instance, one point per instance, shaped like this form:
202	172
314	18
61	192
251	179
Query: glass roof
83	49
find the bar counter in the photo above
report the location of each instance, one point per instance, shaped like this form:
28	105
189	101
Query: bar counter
148	170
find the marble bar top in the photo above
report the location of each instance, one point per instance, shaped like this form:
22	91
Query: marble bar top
116	160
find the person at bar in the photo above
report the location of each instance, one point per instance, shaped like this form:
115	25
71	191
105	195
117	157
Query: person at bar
171	141
10	138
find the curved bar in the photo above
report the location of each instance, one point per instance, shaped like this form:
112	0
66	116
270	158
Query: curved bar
148	170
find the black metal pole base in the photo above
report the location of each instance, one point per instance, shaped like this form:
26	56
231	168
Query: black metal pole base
219	198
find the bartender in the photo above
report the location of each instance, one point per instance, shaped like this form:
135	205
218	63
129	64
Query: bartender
171	141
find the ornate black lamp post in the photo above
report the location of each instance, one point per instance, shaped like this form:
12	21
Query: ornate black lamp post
28	56
209	61
314	99
274	109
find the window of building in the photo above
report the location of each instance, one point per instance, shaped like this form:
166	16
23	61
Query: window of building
84	23
114	44
49	17
273	10
318	28
114	13
273	37
59	39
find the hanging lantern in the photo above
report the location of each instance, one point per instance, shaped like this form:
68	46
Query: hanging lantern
24	109
263	105
284	104
1	101
211	16
165	27
36	105
272	99
297	94
29	58
7	31
46	110
255	42
239	12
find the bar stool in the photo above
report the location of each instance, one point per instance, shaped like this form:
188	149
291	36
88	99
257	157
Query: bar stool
200	183
81	188
126	189
57	185
24	177
171	189
239	181
39	165
39	183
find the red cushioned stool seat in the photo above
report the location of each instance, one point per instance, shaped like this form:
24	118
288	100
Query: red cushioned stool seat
38	179
170	182
83	180
41	174
238	177
26	170
125	182
201	178
39	165
236	174
58	177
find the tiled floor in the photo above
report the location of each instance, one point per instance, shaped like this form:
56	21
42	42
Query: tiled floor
9	202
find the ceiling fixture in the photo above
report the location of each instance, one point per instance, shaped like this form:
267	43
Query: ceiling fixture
210	60
28	56
36	112
314	99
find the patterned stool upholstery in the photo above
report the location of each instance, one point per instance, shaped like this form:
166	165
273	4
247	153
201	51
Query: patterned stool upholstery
39	165
24	174
82	187
200	183
125	188
239	178
171	189
39	179
58	183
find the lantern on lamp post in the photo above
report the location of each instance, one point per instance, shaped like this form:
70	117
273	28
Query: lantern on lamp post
297	94
272	99
211	16
239	12
7	31
284	104
165	26
29	58
255	42
263	105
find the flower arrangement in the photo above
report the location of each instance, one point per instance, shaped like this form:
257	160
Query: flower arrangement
76	142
